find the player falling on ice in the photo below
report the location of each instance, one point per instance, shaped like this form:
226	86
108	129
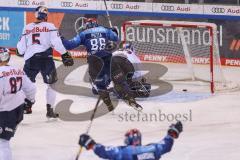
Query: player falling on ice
36	44
14	87
131	67
133	149
100	43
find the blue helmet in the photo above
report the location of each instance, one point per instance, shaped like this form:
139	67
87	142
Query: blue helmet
41	13
4	55
133	137
90	23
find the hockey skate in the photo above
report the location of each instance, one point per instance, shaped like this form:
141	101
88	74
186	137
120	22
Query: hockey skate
50	112
104	94
132	102
27	110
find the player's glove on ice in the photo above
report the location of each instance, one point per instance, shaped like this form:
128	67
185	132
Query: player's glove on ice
175	129
28	106
86	141
67	59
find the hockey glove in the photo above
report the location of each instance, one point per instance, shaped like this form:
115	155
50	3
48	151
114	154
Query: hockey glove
67	59
86	141
175	129
28	106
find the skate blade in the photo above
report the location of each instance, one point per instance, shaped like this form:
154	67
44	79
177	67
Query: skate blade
137	107
50	119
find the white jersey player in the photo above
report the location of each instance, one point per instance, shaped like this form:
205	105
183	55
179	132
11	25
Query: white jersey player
16	91
38	37
36	45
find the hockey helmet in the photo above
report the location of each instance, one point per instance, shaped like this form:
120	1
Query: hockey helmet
41	13
4	55
128	47
91	23
133	137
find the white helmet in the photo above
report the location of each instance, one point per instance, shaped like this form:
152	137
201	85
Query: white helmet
4	55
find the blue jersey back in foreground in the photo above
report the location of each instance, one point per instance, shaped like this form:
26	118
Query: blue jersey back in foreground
94	39
152	151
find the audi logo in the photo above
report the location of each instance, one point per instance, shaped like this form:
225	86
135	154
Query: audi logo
23	2
218	10
116	6
167	8
66	4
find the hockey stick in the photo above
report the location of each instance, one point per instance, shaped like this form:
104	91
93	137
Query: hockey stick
108	16
89	126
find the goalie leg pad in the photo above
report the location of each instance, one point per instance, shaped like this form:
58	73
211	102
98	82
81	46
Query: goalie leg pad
140	89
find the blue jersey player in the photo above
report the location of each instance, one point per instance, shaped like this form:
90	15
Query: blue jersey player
133	149
100	42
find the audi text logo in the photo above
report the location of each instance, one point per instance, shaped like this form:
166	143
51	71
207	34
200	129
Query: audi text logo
116	6
23	2
66	4
167	8
218	10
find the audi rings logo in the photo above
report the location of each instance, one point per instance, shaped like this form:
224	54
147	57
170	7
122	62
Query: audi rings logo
218	10
23	2
167	8
116	6
66	4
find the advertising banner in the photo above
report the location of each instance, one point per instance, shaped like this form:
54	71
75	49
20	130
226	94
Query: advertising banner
221	10
11	25
178	8
228	33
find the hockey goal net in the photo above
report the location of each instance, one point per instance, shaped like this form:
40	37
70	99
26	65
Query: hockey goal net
190	47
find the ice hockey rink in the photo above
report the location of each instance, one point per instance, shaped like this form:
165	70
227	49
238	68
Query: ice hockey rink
211	131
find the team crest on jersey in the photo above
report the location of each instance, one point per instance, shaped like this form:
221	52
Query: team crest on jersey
37	29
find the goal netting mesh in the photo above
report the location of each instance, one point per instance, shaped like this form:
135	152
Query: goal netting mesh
190	50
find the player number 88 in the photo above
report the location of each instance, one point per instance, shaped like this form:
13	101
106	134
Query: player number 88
98	44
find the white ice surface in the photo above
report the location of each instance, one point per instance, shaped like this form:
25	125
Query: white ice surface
212	134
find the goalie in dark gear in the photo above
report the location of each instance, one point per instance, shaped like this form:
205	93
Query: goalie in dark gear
139	88
129	64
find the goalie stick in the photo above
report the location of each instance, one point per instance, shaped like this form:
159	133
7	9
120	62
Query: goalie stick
89	126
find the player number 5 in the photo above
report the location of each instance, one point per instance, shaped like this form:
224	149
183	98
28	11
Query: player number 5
35	39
